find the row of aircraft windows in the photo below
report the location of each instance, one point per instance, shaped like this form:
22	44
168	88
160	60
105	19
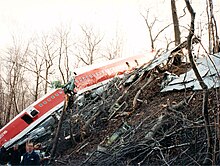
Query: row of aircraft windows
50	99
99	73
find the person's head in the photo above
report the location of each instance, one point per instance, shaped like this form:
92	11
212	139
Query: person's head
3	149
29	147
15	147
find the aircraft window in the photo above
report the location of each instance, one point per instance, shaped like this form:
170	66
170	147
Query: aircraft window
34	113
41	105
45	102
49	99
56	94
27	119
52	97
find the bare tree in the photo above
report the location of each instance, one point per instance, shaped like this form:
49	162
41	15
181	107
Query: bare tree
88	47
49	54
212	29
16	55
150	26
2	103
177	59
36	66
114	47
175	23
64	44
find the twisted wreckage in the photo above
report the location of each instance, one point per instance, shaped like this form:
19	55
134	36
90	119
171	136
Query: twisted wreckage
151	116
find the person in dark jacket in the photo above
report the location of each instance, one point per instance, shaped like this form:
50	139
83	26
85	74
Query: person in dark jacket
3	156
30	157
15	157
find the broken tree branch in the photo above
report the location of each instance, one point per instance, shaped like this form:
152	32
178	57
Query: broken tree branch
154	129
139	92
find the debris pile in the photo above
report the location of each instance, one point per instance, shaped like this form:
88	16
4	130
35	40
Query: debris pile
129	121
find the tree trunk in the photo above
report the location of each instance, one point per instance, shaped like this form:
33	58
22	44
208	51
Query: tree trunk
175	23
177	58
60	69
208	158
46	79
212	27
55	142
36	88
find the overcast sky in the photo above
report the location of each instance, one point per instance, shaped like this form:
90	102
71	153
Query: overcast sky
27	17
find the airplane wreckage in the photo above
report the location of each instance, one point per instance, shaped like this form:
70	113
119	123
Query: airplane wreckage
34	121
39	121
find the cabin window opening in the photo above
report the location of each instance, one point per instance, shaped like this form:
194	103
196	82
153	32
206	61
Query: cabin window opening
34	113
27	118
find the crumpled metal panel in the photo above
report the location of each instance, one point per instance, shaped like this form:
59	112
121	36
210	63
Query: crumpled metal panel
208	70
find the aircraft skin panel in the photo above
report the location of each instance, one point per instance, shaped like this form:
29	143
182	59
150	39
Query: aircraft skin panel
109	71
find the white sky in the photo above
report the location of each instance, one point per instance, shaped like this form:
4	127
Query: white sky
27	17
